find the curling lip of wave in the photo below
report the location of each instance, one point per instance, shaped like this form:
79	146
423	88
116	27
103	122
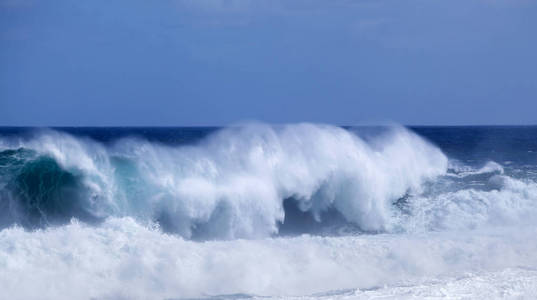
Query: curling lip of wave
233	183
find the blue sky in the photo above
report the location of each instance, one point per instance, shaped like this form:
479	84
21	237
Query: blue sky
201	62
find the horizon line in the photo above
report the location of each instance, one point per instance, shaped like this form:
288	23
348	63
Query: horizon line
272	124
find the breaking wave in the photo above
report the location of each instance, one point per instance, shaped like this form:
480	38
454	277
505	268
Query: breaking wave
246	181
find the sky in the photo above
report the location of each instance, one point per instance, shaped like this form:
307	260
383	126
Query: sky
218	62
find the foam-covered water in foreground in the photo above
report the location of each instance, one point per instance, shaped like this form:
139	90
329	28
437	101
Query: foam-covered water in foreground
301	210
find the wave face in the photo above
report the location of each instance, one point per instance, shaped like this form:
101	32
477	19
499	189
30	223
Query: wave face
37	191
231	184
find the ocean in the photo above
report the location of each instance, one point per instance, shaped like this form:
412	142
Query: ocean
297	211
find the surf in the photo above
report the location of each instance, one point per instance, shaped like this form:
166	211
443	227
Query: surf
301	210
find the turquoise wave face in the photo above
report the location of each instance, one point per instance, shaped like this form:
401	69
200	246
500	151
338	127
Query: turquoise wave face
37	192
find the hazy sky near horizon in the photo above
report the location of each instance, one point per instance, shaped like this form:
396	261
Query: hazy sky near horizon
216	62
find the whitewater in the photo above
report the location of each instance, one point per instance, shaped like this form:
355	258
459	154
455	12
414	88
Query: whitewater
305	211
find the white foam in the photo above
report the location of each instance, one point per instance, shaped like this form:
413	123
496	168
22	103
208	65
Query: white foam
122	259
510	283
509	202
